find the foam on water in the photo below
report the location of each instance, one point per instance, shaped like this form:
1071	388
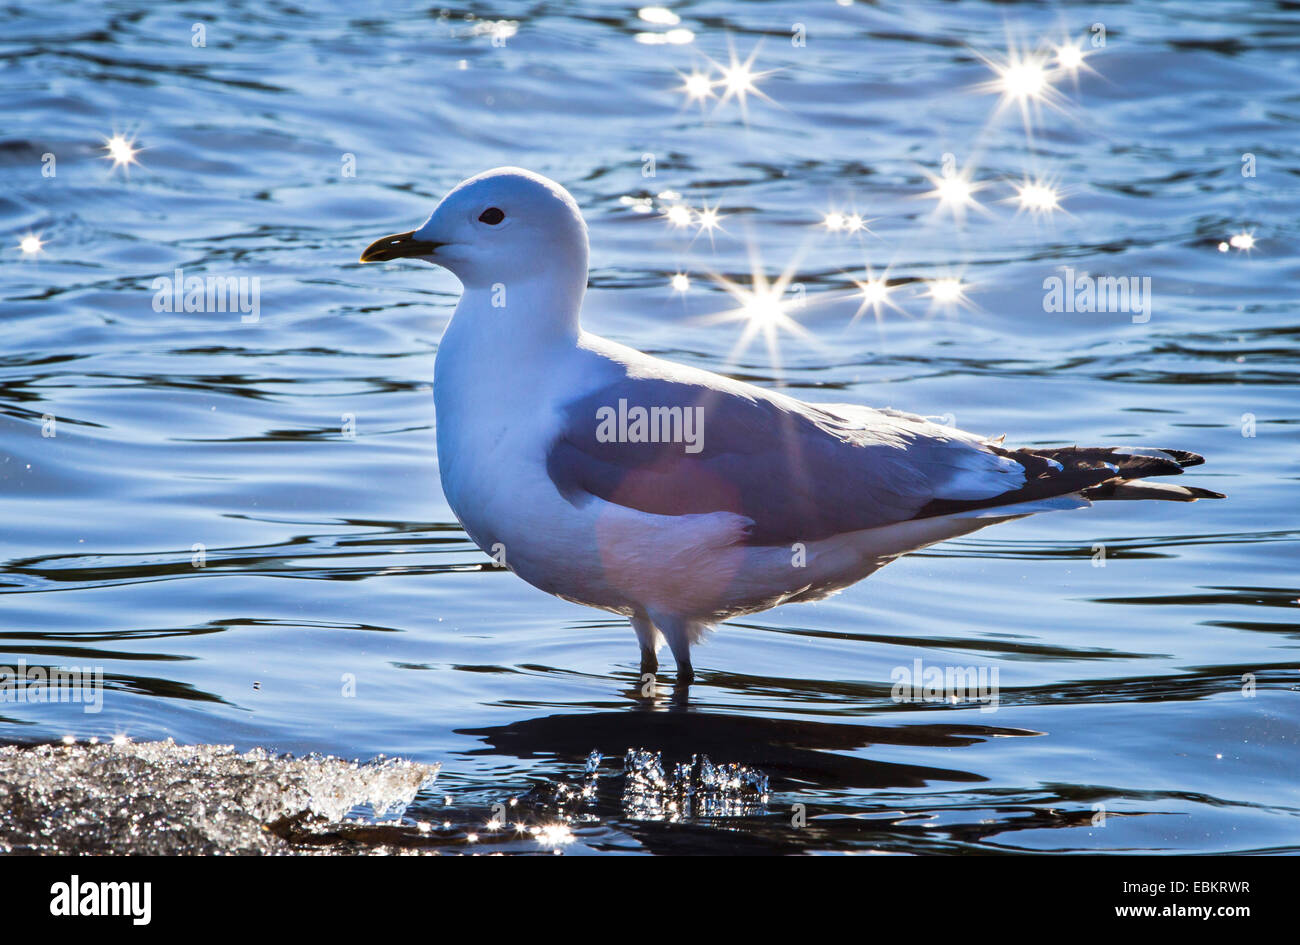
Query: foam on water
164	798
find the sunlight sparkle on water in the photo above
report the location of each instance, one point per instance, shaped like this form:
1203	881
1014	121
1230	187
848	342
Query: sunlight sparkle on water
1024	79
680	282
696	86
708	219
837	222
762	309
874	293
30	244
553	835
740	80
1037	197
677	37
679	215
121	151
1243	240
947	292
660	16
955	192
1069	57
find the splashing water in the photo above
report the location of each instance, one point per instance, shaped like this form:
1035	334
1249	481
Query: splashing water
163	798
696	789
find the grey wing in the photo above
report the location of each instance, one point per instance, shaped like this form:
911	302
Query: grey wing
799	472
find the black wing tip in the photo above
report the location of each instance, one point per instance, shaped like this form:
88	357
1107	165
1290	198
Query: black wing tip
1184	458
1141	489
1105	472
1128	462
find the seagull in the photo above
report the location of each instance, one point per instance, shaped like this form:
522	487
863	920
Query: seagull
674	496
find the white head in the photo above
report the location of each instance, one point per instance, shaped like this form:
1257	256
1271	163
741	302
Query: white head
505	226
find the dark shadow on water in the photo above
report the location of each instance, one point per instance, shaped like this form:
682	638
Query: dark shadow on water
814	761
793	753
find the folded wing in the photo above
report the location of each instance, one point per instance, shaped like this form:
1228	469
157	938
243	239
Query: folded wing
674	441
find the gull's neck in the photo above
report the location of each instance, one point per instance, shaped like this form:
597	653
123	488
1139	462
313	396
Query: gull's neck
531	314
497	363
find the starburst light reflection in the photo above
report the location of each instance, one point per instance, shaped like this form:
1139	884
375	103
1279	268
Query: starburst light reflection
947	293
1037	197
763	309
739	80
874	294
121	151
696	86
1023	79
955	192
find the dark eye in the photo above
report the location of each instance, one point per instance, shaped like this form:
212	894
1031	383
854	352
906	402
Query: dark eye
491	216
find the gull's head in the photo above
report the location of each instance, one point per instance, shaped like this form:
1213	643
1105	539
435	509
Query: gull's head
504	225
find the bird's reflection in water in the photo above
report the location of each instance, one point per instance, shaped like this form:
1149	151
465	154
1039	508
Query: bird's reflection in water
652	691
794	753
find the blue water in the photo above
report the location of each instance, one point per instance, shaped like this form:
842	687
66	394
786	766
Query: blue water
331	561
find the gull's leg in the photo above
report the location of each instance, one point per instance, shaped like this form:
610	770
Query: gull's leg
650	639
679	632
